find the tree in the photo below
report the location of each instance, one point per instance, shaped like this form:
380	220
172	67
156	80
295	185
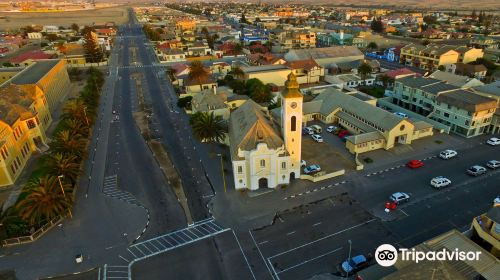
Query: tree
441	68
45	201
473	15
261	94
238	49
377	25
64	164
77	127
74	109
426	42
75	27
237	72
430	20
52	37
207	127
93	52
364	70
385	80
243	19
372	46
184	102
198	73
67	143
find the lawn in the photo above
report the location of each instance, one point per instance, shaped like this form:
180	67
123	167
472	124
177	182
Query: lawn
377	92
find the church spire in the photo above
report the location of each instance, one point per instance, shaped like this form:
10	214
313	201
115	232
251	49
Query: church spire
291	87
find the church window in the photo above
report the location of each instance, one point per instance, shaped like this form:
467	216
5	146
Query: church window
283	165
262	163
240	169
293	123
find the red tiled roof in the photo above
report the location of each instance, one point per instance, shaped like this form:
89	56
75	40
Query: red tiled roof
35	54
397	72
302	64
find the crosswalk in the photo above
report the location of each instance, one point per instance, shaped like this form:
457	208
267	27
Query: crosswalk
141	66
110	188
161	244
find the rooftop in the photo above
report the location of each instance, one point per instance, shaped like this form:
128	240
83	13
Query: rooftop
35	72
468	100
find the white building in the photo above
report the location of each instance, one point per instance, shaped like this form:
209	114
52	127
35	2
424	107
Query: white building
34	35
264	155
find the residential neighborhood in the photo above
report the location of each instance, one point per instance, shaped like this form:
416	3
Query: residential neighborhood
235	140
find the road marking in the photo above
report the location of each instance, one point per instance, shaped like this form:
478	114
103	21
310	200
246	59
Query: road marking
310	260
291	232
322	238
317	224
244	256
404	212
263	242
262	256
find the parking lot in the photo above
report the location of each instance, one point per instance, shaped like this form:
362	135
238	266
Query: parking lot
331	155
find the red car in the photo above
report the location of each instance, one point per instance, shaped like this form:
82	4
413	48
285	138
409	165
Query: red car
413	164
343	133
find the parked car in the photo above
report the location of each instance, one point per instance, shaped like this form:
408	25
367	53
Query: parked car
312	169
493	141
415	163
303	163
317	138
447	154
399	197
331	128
309	130
440	182
493	164
343	133
476	170
317	129
401	115
79	258
353	265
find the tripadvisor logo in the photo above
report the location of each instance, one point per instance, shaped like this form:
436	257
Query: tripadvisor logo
387	255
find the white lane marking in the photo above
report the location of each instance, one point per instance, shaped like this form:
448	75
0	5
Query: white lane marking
291	232
322	238
268	266
317	224
310	260
244	256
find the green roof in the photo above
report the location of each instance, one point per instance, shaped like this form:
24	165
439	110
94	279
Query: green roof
34	72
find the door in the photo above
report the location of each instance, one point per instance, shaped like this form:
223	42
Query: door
262	183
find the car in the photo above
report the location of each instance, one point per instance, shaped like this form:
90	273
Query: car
496	201
399	197
303	163
79	258
331	128
493	141
476	170
415	163
401	115
343	133
440	182
317	138
493	164
309	130
353	265
317	129
312	169
447	154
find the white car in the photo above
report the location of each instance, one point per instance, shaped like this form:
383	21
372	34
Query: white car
401	115
317	138
447	154
331	128
79	258
493	141
399	197
440	182
303	163
309	130
476	170
493	164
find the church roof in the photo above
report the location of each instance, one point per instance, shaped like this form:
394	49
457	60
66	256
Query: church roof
292	87
249	125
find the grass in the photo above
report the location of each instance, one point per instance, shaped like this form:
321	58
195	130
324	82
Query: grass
377	92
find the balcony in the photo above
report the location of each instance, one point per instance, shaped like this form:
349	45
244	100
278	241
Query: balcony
483	227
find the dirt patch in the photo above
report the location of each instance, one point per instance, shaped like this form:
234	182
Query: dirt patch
118	15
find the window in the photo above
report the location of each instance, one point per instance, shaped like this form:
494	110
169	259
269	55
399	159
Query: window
31	124
240	169
402	127
283	165
293	121
446	115
262	163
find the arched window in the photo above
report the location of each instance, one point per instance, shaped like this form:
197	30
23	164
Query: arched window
294	123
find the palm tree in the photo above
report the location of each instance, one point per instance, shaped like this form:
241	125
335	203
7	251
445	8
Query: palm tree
68	144
238	49
197	72
364	70
207	127
74	109
64	164
385	80
45	201
237	72
77	127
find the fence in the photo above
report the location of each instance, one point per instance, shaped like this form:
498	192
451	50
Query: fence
322	176
37	234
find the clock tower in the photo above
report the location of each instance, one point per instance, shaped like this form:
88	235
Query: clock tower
291	122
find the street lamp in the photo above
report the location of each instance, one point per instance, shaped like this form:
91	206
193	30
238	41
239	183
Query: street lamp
349	258
64	193
222	169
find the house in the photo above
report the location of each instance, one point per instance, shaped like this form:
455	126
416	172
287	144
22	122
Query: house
470	70
267	74
349	80
29	57
264	155
211	101
193	87
306	71
326	57
172	55
335	39
456	80
257	59
35	35
293	39
485	231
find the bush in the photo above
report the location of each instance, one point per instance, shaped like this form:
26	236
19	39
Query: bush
184	102
368	160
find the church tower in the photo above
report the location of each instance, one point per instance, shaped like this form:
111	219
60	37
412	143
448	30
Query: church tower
291	122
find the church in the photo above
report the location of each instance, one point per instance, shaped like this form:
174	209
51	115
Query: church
266	154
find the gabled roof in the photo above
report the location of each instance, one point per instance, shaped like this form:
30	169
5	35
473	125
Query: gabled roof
453	79
467	100
249	125
34	54
322	53
306	64
34	72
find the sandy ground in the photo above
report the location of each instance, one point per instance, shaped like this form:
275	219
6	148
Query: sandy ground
118	15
